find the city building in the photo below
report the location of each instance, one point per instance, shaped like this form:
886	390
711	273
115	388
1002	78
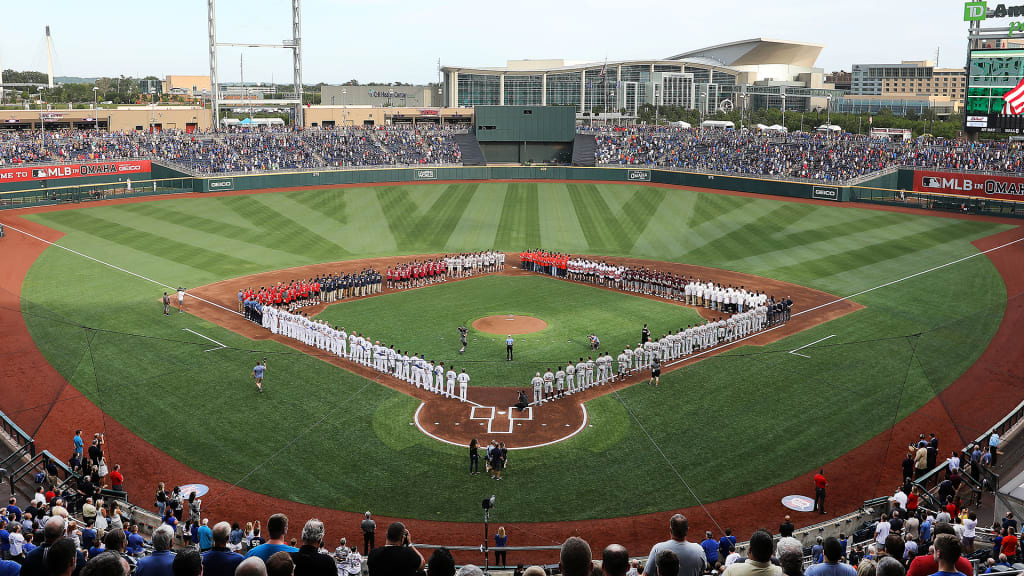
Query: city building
910	78
754	73
179	84
841	80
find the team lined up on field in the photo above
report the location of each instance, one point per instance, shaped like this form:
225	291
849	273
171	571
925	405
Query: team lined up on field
422	272
354	346
300	293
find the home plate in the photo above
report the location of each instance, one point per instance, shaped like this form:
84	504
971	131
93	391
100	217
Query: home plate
501	412
437	423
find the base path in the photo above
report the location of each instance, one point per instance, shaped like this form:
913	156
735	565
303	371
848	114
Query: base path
41	402
509	324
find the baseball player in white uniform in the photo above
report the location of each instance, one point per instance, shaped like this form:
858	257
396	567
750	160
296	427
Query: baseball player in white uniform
549	385
570	377
559	382
463	385
538	389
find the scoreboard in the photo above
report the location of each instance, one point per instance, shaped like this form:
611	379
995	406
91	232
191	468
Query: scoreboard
995	92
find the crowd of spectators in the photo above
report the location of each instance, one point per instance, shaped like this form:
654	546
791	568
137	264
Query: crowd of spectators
813	156
246	150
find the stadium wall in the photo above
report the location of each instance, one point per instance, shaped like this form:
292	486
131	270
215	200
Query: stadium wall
608	174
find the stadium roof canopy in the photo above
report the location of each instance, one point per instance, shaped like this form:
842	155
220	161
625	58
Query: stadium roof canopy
754	52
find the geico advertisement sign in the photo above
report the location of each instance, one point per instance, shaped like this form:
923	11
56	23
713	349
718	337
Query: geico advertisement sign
72	171
221	184
978	185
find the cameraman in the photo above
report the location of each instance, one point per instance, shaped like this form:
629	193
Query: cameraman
397	557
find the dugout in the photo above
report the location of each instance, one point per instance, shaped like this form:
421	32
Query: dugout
526	134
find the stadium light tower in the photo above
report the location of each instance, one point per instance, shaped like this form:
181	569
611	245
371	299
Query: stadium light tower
294	44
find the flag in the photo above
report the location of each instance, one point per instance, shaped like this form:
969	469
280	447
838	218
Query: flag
1015	99
604	69
871	120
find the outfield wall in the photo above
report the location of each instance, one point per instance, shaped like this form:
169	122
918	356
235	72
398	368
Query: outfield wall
607	174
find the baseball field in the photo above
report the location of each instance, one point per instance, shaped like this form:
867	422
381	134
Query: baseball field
735	423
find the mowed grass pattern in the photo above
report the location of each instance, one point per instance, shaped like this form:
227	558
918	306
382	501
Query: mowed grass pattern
731	424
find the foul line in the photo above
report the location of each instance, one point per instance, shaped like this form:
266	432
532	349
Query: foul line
108	264
909	277
795	350
207	338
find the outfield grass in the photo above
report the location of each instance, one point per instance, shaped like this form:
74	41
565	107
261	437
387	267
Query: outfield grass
424	321
730	425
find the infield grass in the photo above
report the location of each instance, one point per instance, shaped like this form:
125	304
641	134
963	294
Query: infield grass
729	425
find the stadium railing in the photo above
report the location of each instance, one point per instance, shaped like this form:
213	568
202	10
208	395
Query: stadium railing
79	193
25	445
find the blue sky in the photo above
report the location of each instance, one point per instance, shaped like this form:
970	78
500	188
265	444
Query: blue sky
389	40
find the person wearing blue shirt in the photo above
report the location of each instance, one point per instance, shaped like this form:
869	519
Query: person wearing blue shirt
833	552
160	562
136	543
12	508
926	530
710	546
88	537
79	445
205	536
277	529
219	560
5	539
9	568
726	544
508	347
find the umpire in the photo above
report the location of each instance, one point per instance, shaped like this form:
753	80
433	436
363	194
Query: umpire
508	347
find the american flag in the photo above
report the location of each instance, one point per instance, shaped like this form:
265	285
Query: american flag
604	69
1014	100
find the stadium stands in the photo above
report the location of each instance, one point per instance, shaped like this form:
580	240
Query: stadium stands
815	157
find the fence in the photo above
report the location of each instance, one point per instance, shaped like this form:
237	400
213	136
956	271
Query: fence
937	201
79	193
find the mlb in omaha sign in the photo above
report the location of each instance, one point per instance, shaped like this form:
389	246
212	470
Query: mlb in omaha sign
974	185
37	173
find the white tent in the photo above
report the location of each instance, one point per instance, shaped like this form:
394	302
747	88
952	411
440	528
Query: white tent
775	128
717	124
680	124
829	128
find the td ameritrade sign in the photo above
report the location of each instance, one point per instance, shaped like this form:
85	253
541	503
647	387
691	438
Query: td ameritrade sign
39	173
973	185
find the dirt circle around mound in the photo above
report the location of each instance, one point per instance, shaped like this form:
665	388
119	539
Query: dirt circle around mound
509	324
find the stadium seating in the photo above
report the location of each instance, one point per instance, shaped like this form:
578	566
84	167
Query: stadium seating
816	157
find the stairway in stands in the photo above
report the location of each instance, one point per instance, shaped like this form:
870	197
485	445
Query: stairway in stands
584	148
472	155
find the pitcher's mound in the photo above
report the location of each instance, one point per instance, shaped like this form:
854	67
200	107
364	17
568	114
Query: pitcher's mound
509	324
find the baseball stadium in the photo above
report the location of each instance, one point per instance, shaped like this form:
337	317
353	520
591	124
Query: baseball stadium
255	315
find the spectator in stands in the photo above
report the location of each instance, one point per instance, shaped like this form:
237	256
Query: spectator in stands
17	549
710	546
397	557
441	563
726	545
61	558
691	556
136	544
575	558
1010	543
816	551
889	566
882	530
220	560
666	563
910	549
115	541
832	566
251	566
947	555
759	557
615	560
205	536
188	562
866	567
308	560
106	564
9	568
35	561
925	564
277	530
280	564
786	528
894	546
159	563
788	543
792	563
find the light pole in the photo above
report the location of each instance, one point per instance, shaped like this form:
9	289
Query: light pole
96	107
828	111
42	121
703	105
344	108
783	95
743	105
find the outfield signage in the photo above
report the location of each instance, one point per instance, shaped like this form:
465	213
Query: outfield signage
226	184
640	175
825	193
973	185
426	174
37	173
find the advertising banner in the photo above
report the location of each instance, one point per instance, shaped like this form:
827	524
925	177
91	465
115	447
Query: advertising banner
975	185
640	175
38	173
825	193
426	174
